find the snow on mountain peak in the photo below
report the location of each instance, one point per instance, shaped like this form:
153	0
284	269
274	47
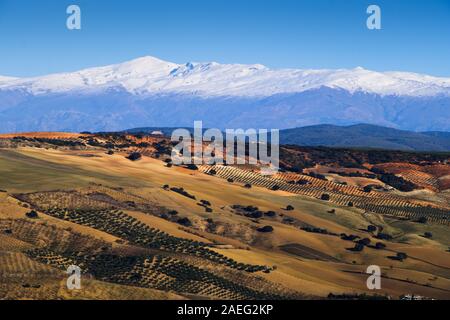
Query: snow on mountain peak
145	65
149	75
6	79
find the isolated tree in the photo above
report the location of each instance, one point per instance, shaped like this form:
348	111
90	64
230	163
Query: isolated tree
270	213
256	214
422	220
185	222
325	197
384	236
402	256
205	202
365	241
134	156
358	247
192	167
32	214
380	246
266	229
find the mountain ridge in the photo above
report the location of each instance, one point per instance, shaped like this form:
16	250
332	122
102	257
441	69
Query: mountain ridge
366	135
353	136
152	92
135	77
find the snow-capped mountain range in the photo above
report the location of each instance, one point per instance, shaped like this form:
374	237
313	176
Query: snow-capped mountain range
151	92
150	75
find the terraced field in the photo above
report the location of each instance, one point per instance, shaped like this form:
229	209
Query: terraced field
32	246
373	201
158	272
429	176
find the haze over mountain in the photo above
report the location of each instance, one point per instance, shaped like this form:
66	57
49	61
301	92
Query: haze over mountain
364	135
151	92
354	136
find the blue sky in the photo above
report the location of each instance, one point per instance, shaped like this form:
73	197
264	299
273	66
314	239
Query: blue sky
277	33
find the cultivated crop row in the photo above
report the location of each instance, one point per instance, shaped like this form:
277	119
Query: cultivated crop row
154	271
126	227
378	202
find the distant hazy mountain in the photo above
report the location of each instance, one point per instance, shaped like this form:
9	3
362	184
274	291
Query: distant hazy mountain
364	135
151	92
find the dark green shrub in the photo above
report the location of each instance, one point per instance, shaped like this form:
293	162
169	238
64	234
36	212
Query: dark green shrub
134	156
402	256
266	229
32	214
325	197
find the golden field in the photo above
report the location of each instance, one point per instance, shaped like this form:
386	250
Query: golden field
68	187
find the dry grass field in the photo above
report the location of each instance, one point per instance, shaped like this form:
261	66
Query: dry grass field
145	230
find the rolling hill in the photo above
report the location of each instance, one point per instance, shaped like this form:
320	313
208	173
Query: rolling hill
364	135
355	136
149	230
